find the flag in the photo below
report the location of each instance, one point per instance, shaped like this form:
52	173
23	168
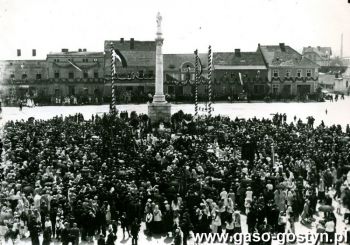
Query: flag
200	71
74	65
116	53
240	78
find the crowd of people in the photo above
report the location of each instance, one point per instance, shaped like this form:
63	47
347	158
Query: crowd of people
78	179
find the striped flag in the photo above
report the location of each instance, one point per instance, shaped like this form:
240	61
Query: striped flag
240	78
116	53
77	67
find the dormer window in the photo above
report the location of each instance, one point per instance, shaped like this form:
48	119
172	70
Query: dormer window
275	73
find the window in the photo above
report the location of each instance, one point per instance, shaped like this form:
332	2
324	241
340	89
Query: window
299	73
12	75
56	60
288	73
141	73
71	75
86	75
94	60
38	76
95	74
85	60
34	52
308	73
275	73
11	63
232	75
57	74
19	52
129	88
24	76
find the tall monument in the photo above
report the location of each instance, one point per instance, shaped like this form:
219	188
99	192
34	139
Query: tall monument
159	110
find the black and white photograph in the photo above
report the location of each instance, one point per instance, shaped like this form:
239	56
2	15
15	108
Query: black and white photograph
178	122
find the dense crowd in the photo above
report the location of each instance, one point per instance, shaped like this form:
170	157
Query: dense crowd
73	179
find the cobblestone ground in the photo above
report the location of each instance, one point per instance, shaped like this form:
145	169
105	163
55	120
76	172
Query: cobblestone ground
337	112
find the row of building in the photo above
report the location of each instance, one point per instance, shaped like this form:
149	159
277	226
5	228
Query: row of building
275	71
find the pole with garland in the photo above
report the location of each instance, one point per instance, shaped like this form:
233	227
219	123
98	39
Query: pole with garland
196	84
113	77
209	81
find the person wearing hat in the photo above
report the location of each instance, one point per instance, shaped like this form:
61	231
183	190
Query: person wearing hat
135	228
178	236
101	240
110	237
149	220
168	218
74	234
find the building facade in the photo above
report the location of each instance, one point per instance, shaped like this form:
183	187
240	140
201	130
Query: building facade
238	75
290	73
319	55
135	83
74	77
21	79
84	77
179	77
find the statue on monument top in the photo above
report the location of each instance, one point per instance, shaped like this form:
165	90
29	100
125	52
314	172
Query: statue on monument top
159	22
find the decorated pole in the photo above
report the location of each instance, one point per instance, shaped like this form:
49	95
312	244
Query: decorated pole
209	81
196	85
113	77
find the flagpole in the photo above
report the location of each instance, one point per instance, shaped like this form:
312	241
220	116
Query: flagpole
113	76
209	81
196	85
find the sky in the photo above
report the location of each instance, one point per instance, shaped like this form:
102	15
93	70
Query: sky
50	25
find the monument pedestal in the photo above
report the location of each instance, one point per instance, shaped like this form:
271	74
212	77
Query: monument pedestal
159	112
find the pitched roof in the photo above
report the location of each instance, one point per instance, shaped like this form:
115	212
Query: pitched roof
125	45
175	61
244	59
321	51
275	56
75	53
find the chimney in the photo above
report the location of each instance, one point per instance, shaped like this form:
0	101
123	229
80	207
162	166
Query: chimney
237	52
18	52
64	50
84	49
34	52
282	47
122	40
80	50
132	43
341	46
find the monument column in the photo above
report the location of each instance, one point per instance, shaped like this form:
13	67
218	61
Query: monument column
159	109
159	94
